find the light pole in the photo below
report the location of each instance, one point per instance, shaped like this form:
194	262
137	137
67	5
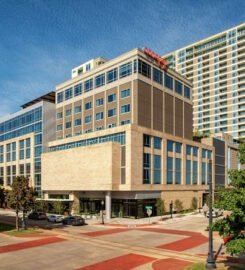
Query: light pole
210	260
171	209
102	210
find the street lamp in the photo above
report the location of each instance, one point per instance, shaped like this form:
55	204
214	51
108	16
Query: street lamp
171	209
210	260
102	215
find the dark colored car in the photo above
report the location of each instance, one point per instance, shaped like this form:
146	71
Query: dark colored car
74	221
37	216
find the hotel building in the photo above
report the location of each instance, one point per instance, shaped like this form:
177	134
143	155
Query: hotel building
124	136
216	67
23	137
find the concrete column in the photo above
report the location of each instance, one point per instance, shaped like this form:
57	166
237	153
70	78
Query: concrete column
108	205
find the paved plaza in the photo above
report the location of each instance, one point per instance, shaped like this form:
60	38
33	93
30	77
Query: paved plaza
172	244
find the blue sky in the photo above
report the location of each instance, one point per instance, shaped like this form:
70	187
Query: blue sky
42	40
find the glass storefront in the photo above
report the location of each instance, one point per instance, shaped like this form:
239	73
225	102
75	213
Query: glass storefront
119	207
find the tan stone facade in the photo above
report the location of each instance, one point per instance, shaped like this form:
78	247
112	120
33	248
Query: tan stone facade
124	135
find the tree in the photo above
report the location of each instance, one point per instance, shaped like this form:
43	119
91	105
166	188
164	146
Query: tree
41	205
20	197
178	205
232	198
194	203
2	196
58	207
160	205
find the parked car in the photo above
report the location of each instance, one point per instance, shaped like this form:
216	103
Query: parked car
55	218
73	220
216	212
37	216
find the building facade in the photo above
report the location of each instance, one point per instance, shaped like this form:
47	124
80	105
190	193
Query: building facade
23	137
216	67
226	157
124	136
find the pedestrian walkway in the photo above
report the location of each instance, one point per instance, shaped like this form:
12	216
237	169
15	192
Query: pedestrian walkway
30	244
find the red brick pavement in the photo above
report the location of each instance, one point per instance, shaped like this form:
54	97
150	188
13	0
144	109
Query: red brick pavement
124	262
30	244
194	239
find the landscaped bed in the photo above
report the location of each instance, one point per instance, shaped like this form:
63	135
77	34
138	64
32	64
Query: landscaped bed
10	230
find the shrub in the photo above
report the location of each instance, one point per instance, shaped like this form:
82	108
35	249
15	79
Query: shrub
160	205
236	246
178	205
194	203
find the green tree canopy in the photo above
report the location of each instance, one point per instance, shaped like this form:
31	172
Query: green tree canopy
20	197
232	198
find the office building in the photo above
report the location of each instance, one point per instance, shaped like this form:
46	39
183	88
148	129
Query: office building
216	67
124	137
23	137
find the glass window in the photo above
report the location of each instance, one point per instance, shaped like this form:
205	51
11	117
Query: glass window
170	146
125	122
111	112
144	68
194	173
88	67
188	172
112	75
99	102
38	151
68	93
147	168
169	170
209	154
78	89
187	91
59	127
157	76
99	116
68	112
204	152
99	80
188	149
78	109
178	171
125	108
178	147
112	98
157	143
88	105
38	139
178	87
60	97
168	82
204	173
59	115
68	124
157	169
88	85
28	153
147	140
125	70
78	122
125	93
22	169
88	119
195	151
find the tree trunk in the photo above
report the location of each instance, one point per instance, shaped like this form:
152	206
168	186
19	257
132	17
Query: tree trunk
17	221
24	221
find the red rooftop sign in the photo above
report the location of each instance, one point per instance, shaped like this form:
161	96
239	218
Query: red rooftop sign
161	61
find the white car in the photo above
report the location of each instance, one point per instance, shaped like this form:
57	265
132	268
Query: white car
55	218
216	212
